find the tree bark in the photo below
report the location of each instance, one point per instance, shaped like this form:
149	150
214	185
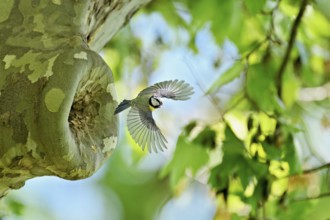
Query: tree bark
57	95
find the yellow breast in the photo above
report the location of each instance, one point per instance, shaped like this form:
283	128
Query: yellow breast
151	108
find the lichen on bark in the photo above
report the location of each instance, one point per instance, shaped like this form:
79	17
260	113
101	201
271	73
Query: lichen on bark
57	95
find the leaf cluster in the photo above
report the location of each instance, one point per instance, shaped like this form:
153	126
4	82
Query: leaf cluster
277	59
251	153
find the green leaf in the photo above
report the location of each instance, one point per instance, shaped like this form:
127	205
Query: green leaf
259	169
260	194
187	155
206	138
324	7
235	163
272	152
189	127
232	73
219	178
233	154
168	10
291	156
202	11
232	145
237	121
298	210
290	87
267	123
318	24
227	23
255	6
238	101
245	173
16	206
261	87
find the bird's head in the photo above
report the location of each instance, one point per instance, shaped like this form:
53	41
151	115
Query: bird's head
155	102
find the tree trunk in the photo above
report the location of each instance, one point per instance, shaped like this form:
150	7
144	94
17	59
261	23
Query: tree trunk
57	95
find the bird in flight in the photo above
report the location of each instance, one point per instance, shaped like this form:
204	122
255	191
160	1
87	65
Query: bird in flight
140	122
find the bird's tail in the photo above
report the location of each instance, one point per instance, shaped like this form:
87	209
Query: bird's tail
122	106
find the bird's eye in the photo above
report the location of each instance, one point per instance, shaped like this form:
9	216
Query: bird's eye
154	102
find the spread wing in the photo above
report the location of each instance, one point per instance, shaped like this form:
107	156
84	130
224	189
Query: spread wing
172	89
144	130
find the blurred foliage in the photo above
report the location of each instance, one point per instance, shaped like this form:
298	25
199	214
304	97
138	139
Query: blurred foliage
250	155
280	54
194	154
12	207
140	192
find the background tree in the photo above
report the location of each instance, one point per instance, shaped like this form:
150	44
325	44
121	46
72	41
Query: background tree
268	82
57	95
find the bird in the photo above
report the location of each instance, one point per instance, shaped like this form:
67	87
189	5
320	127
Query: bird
140	122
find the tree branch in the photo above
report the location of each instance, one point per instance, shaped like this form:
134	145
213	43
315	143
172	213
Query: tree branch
304	172
322	195
324	166
293	34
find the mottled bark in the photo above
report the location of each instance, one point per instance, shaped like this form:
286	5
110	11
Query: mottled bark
57	96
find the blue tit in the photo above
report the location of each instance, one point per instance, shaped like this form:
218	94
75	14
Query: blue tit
140	122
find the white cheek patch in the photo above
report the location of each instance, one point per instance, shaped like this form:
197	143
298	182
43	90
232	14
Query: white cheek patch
154	102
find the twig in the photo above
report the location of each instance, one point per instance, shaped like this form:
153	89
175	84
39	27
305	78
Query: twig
293	34
272	24
304	172
322	195
256	47
324	166
238	101
209	96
